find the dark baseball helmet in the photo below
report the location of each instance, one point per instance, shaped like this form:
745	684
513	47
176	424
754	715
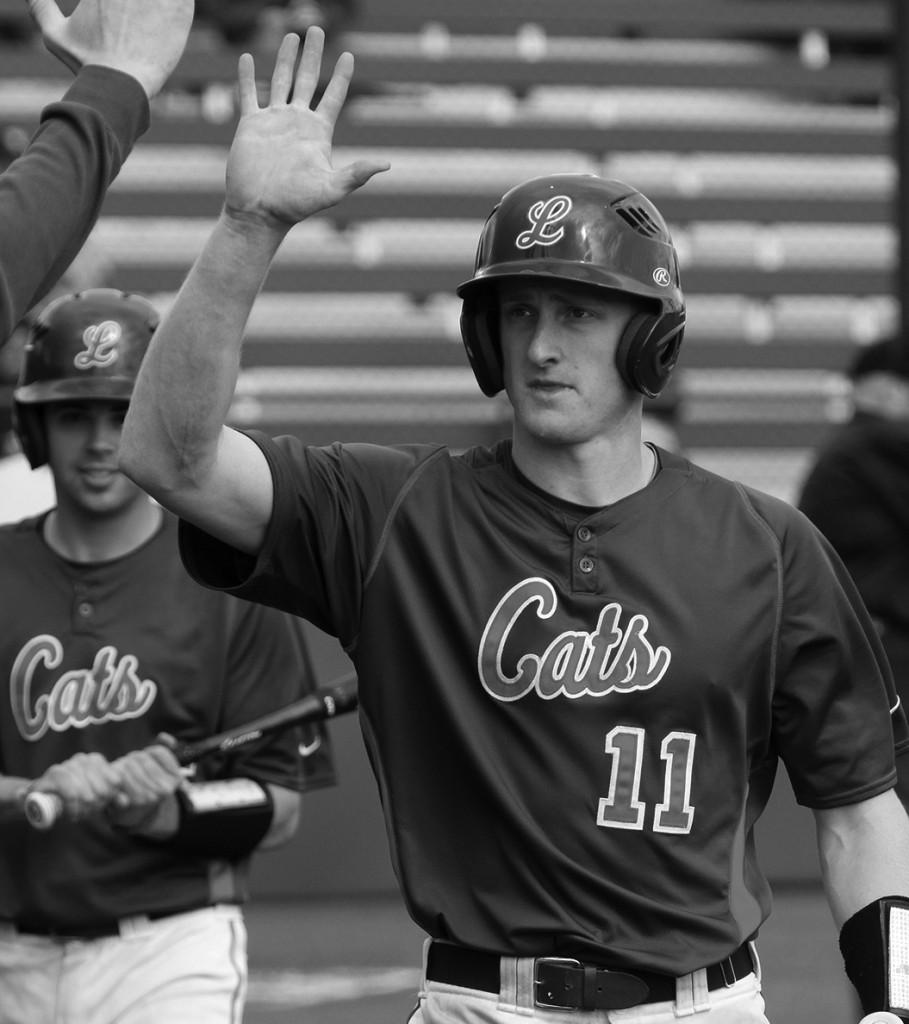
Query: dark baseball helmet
579	227
82	346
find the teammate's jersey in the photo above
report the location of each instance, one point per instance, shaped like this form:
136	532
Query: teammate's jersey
575	715
103	657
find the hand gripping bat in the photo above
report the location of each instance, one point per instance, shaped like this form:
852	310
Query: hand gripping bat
43	809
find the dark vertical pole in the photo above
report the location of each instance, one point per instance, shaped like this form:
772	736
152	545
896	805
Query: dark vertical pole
900	59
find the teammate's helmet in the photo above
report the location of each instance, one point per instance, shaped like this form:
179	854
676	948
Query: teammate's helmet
583	228
81	346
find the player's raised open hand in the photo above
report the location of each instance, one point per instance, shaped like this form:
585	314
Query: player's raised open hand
143	38
279	169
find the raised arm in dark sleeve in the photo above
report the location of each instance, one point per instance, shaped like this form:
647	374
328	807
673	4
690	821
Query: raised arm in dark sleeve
51	195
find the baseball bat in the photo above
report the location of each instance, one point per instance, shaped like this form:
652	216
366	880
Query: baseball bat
43	809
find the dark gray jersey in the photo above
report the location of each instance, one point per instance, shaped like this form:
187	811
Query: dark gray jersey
575	714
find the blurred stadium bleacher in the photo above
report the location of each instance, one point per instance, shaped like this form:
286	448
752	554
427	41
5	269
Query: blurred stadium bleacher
763	129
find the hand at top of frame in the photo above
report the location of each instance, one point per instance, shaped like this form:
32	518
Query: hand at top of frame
279	169
143	38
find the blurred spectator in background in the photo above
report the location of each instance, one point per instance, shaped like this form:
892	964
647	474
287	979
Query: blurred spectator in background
243	23
857	494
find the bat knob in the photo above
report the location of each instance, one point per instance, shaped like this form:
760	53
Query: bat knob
42	809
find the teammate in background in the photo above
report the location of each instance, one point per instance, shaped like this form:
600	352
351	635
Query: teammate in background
122	51
580	657
129	909
857	494
25	491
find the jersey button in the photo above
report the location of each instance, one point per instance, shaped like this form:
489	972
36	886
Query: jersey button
85	609
586	564
584	533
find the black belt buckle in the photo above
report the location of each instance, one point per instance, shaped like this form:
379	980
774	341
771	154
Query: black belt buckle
544	994
562	983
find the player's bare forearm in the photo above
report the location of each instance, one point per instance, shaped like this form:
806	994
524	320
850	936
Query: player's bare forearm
864	852
286	817
186	383
174	442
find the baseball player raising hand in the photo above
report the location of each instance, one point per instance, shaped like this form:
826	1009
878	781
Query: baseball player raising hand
580	657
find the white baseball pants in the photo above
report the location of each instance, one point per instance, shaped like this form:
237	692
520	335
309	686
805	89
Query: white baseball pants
189	968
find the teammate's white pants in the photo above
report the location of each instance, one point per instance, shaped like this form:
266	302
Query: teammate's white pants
741	1003
186	969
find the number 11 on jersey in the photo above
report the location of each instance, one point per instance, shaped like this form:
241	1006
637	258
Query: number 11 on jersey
623	808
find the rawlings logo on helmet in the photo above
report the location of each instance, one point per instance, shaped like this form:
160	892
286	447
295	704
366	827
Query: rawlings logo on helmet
544	215
101	341
662	277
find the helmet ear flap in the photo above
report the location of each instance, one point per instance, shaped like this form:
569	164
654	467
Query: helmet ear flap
28	425
649	349
480	334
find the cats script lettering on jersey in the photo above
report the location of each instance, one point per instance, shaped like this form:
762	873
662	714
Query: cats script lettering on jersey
612	657
111	690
